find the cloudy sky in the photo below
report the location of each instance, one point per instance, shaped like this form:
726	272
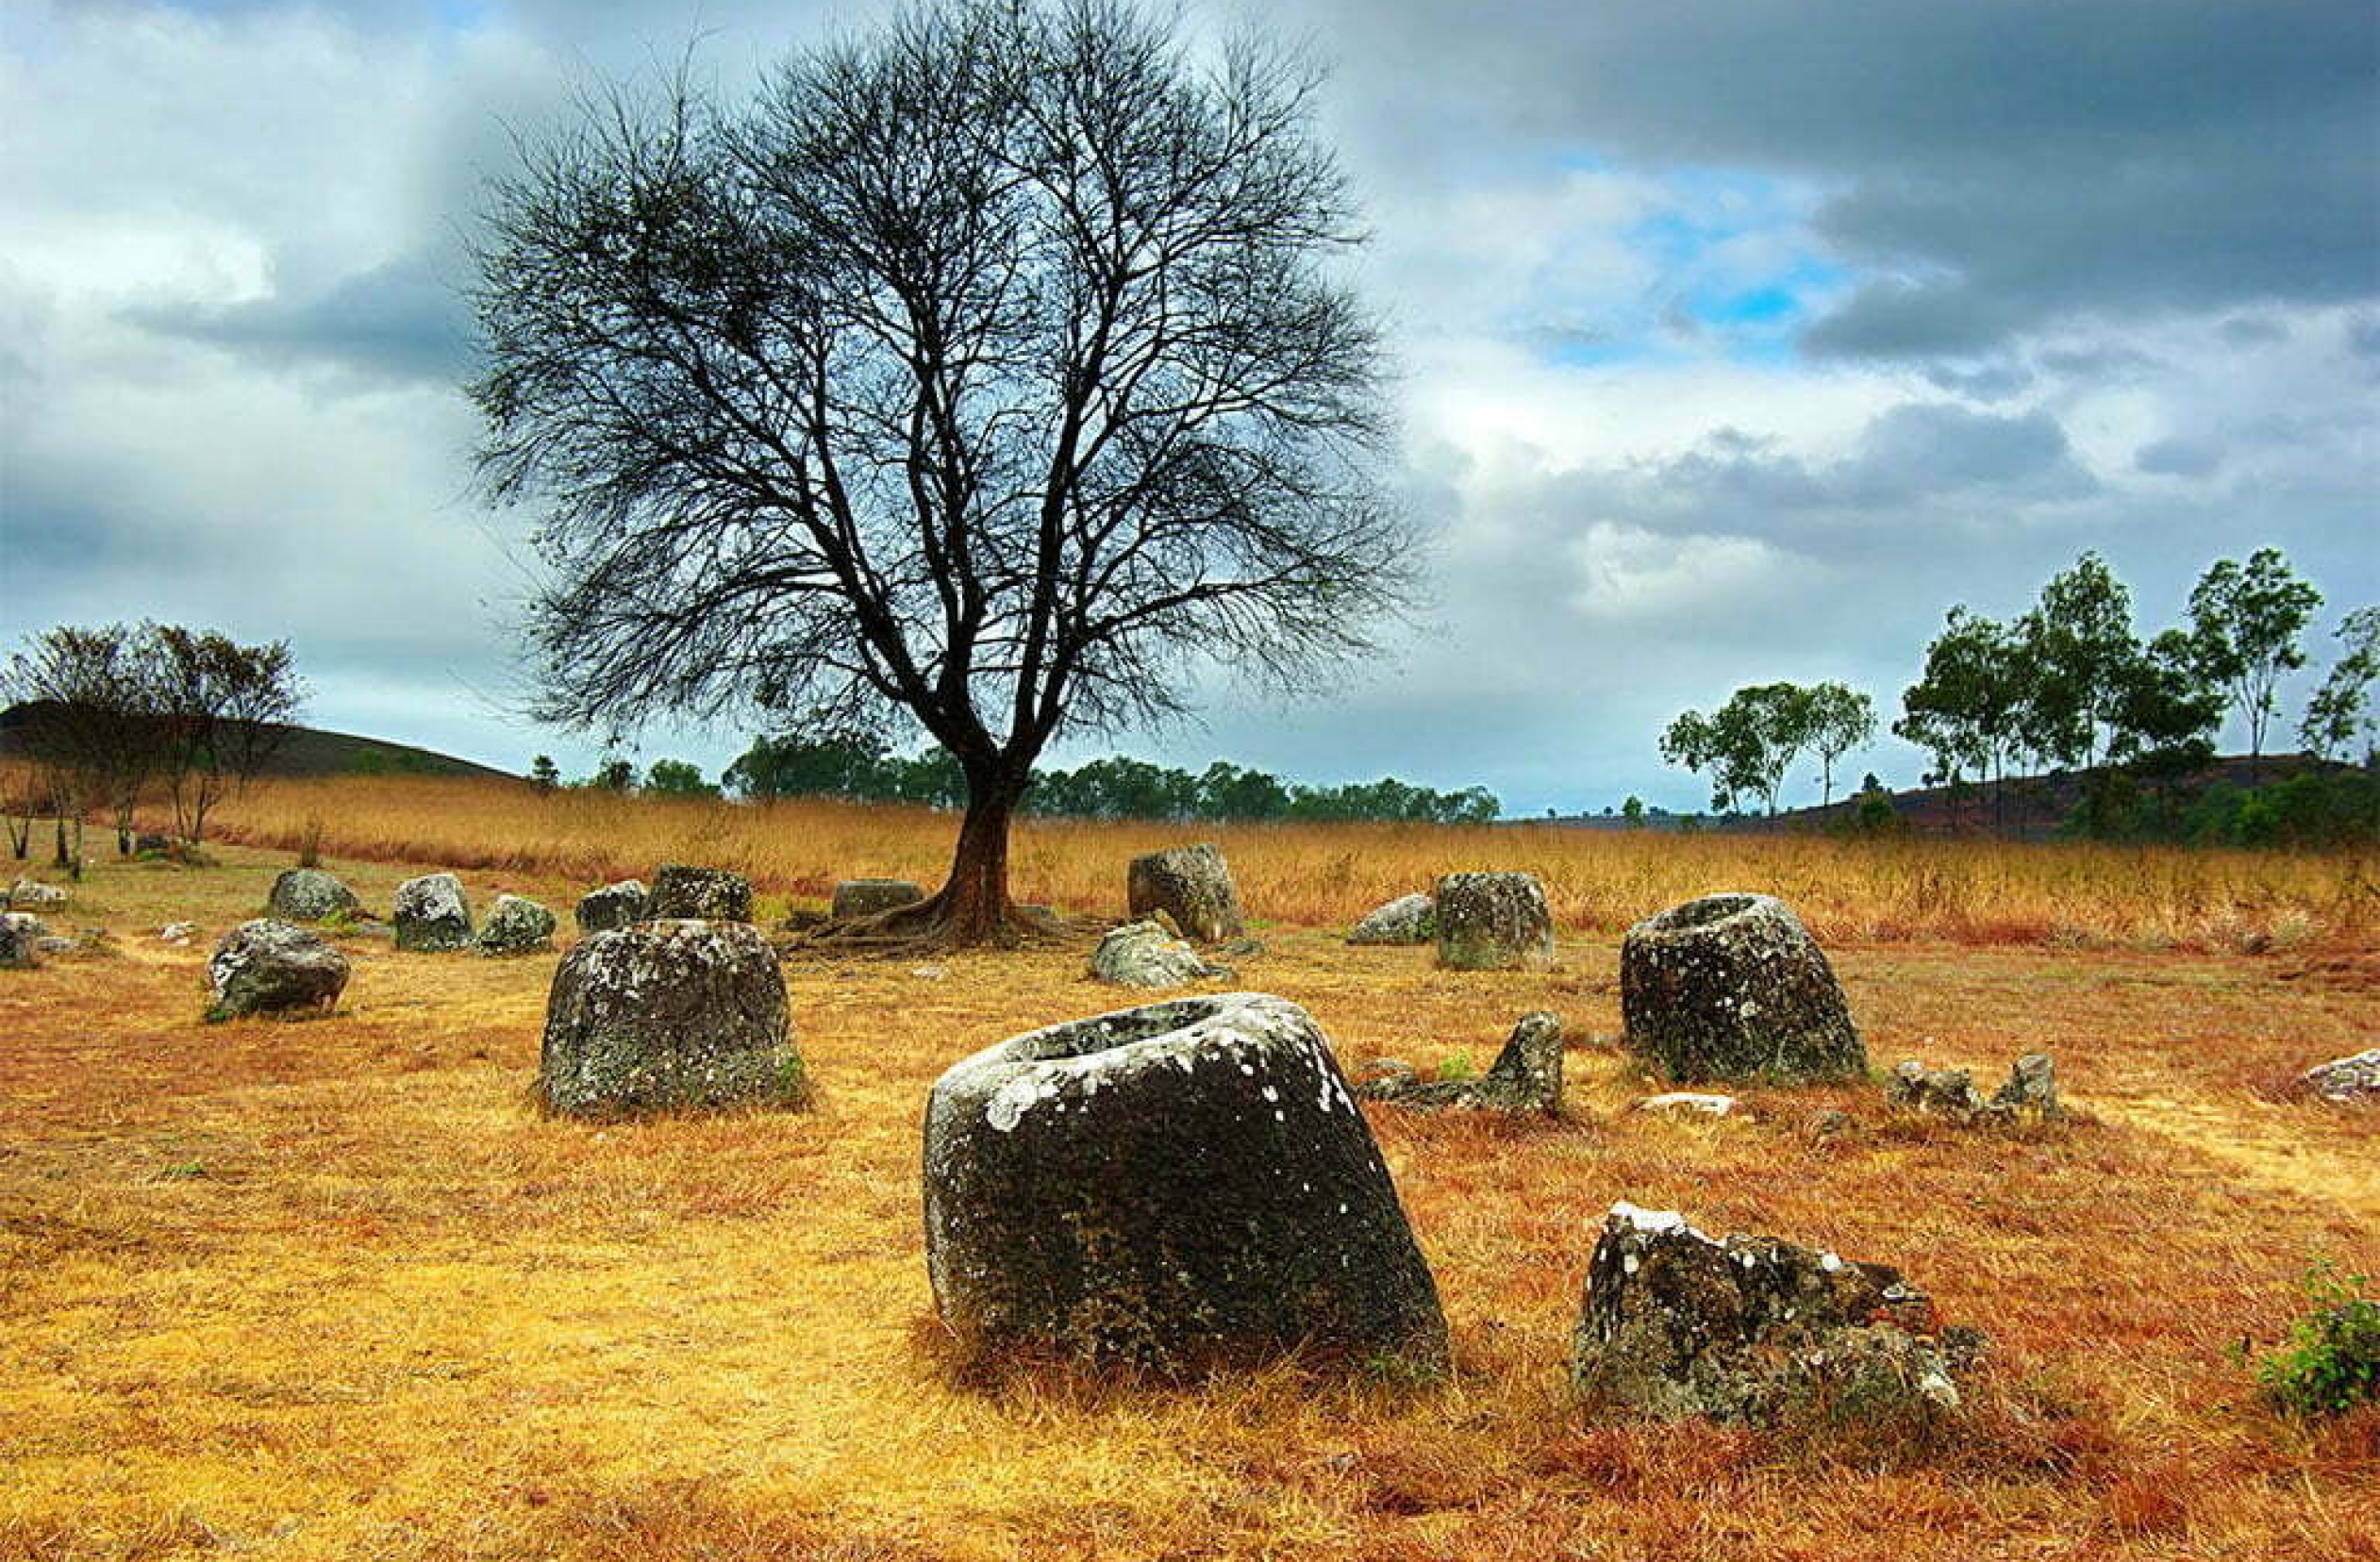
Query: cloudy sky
1740	338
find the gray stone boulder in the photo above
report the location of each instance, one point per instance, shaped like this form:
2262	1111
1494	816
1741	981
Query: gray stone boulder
1191	884
1494	921
1526	1076
27	892
1178	1187
866	897
2352	1079
516	925
677	1014
704	894
1675	1324
431	914
2030	1092
309	895
613	905
1144	954
267	967
1733	986
1406	920
1694	1102
21	938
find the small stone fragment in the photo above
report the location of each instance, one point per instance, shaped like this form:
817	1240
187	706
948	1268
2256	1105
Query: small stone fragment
309	895
1406	920
2350	1079
28	892
1688	1101
267	967
1192	883
613	905
1951	1094
20	941
177	932
1526	1076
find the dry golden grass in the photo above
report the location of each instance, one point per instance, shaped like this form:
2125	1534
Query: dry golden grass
1324	876
335	1289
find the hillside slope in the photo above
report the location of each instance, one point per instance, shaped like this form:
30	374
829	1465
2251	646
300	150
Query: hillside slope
306	752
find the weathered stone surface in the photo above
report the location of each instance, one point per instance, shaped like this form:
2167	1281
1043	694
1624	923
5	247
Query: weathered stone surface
20	941
866	897
613	905
1406	920
1179	1185
1733	986
269	967
1688	1101
1193	885
709	894
431	914
1143	954
1494	921
1675	1324
516	925
1526	1076
177	932
2354	1078
27	892
2030	1092
672	1014
307	895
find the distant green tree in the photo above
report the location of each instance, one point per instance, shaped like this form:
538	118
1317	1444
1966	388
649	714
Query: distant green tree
2078	646
678	778
543	773
1964	709
2341	707
2245	625
1840	719
1633	811
1746	746
613	776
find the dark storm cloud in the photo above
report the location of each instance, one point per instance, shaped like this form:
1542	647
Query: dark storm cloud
394	323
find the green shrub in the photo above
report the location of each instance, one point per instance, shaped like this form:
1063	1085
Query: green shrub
2331	1361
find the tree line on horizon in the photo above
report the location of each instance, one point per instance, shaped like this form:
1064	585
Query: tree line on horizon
2069	686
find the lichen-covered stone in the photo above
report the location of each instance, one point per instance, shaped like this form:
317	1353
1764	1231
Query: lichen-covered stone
431	914
1677	1323
20	941
1733	986
866	897
1180	1185
1192	883
1406	920
2030	1092
27	892
668	1014
1494	921
1696	1101
613	905
703	894
1526	1076
1144	954
309	895
516	925
267	967
2355	1079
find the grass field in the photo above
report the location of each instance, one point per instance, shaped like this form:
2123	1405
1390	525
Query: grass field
337	1289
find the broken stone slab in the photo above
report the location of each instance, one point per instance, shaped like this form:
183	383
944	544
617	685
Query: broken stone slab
177	932
703	894
516	925
1688	1101
20	941
1193	885
1951	1094
677	1014
269	967
1406	920
613	905
28	892
1677	1323
1494	921
2350	1079
1179	1185
868	897
1526	1076
1734	988
1143	954
309	895
431	914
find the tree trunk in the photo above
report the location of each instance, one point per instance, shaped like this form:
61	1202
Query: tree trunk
972	906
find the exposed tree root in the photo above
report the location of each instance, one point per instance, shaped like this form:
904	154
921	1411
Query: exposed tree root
932	926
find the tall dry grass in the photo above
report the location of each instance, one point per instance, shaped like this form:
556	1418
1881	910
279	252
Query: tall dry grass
1321	875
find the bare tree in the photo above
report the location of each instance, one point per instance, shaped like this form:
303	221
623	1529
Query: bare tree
988	369
87	722
225	710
